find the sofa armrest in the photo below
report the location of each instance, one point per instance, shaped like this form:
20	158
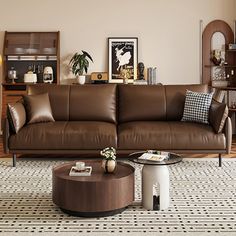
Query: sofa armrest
218	114
6	135
228	134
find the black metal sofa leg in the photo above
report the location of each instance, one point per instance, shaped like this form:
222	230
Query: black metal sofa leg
220	160
14	160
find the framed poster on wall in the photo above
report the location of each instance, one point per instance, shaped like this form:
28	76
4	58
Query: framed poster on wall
123	59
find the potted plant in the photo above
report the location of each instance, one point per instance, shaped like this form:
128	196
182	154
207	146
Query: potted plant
109	159
80	64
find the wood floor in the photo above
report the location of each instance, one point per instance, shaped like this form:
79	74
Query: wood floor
231	155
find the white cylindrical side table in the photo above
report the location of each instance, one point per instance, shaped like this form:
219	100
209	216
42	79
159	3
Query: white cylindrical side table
155	174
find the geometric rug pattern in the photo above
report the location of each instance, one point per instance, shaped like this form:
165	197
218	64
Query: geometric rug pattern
203	200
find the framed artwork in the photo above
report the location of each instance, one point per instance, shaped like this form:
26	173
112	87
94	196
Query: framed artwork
123	59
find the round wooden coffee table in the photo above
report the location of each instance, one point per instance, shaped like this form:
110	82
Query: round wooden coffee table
97	195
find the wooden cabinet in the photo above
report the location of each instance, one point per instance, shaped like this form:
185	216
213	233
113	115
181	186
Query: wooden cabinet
222	77
228	91
228	71
28	51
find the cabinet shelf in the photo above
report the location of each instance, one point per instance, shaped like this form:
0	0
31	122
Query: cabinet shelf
19	84
16	84
25	44
223	66
30	55
225	88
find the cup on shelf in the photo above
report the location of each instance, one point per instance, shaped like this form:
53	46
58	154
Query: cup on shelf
49	50
19	50
31	51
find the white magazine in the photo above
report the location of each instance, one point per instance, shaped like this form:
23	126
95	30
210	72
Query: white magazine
76	172
154	157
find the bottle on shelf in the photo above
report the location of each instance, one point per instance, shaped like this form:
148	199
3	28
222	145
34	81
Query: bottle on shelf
233	105
232	73
232	79
12	74
228	77
39	72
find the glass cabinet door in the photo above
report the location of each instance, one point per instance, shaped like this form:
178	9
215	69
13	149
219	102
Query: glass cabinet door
31	43
48	43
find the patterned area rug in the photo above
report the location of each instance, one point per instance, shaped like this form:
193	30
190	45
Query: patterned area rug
203	200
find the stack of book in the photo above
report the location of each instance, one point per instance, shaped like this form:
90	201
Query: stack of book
159	156
140	82
152	75
86	171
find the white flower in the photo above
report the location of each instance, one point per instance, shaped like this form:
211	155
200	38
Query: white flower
109	153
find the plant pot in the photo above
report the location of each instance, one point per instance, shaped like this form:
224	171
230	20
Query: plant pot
108	165
81	79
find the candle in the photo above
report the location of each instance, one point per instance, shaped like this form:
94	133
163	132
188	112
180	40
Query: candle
80	165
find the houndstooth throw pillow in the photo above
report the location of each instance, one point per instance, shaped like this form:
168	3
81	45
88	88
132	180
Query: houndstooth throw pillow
196	107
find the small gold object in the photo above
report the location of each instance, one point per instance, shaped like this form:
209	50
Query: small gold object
126	75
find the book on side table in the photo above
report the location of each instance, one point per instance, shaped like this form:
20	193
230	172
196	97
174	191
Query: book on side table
156	156
80	172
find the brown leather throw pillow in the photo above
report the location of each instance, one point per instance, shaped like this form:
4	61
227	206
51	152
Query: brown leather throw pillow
38	108
217	116
16	115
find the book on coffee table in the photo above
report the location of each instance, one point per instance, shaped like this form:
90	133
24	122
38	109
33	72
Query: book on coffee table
160	156
77	172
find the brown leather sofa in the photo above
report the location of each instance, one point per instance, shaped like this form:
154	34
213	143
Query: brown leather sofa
89	118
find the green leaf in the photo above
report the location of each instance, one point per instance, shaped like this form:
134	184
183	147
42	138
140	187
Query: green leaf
76	71
73	58
86	63
86	54
79	63
80	72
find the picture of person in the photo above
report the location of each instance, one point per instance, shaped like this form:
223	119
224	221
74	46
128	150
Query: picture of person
123	57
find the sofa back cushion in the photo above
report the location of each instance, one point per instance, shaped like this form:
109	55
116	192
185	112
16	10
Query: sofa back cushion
93	103
58	96
175	99
217	115
141	103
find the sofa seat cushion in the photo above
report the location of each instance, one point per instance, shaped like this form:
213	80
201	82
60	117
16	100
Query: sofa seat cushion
173	135
90	135
61	135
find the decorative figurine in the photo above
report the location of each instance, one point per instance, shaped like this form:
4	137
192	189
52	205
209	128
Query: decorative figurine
216	57
126	74
140	71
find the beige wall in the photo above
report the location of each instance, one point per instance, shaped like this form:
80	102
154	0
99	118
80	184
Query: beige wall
168	30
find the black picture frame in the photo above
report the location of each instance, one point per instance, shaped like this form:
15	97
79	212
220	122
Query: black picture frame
123	59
